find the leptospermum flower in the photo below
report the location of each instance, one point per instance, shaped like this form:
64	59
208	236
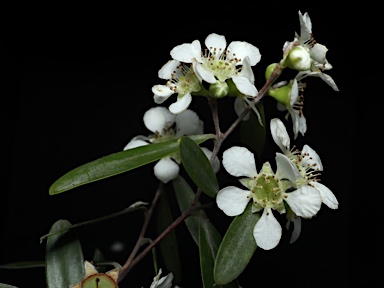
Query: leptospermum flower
307	56
167	126
290	98
181	80
267	190
163	282
219	63
308	165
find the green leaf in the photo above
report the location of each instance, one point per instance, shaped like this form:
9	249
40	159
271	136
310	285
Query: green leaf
205	233
117	163
209	241
198	166
184	197
6	286
64	258
168	245
23	265
237	247
252	133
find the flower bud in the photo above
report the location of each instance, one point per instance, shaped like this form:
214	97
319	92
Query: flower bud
218	89
298	59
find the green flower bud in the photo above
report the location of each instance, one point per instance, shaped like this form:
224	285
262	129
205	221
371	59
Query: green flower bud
282	94
298	59
269	70
218	89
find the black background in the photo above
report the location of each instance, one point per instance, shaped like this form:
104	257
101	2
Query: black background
77	85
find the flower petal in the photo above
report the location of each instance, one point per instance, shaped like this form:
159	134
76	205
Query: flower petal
232	200
240	106
244	85
168	69
216	161
296	229
327	196
311	158
162	90
181	104
241	49
216	44
187	123
305	201
186	52
137	142
204	74
158	118
267	231
280	135
299	122
318	53
239	161
166	170
286	169
305	27
246	70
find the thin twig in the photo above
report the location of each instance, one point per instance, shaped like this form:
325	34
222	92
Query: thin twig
147	216
175	223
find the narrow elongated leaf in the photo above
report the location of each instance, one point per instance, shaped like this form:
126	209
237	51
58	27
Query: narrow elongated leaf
64	258
209	241
6	286
185	196
23	265
237	247
198	166
117	163
168	245
206	237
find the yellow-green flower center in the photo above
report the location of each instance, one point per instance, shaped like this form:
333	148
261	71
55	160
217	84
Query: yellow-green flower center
222	67
266	192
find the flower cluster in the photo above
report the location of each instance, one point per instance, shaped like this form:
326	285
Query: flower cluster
307	57
292	188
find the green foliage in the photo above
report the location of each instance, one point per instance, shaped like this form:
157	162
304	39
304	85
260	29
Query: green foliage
117	163
198	166
64	257
185	196
202	231
237	247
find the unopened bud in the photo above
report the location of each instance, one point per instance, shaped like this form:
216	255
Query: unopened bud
298	59
218	89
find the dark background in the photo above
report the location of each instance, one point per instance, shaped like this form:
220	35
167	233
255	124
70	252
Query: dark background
77	86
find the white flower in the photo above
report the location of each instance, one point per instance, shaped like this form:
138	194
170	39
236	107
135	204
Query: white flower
306	55
181	80
163	282
290	97
219	63
267	190
166	126
307	163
